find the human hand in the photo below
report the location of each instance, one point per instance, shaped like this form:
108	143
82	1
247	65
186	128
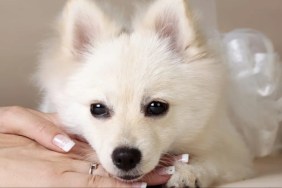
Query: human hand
41	127
24	163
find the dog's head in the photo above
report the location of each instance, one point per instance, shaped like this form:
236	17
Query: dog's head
134	95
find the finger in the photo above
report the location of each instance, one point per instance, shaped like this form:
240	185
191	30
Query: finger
168	160
158	180
84	167
81	180
84	151
48	116
21	121
184	158
159	176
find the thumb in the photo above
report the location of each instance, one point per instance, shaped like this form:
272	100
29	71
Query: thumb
34	125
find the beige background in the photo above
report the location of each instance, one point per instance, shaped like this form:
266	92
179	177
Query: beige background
24	23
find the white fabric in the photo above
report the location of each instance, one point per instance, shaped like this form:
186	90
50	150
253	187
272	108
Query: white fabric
255	90
268	174
256	81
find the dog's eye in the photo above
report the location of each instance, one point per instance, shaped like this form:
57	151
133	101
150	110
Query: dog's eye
156	108
99	111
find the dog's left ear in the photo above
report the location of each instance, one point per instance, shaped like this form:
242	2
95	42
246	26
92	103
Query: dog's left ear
173	20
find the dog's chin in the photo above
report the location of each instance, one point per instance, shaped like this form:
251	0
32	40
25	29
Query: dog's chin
129	178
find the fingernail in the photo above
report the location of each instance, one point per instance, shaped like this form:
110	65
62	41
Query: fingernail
63	142
166	170
183	158
139	185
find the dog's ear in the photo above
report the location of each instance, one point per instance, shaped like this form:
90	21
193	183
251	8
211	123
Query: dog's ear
81	25
173	20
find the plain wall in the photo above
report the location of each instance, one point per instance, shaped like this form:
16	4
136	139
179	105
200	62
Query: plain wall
25	23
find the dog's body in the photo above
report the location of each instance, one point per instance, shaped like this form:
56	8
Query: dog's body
157	89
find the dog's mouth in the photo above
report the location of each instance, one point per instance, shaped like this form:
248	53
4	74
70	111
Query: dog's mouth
128	178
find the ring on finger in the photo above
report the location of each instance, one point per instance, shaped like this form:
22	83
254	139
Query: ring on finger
93	166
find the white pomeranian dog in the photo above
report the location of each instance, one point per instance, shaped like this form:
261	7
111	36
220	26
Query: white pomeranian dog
137	93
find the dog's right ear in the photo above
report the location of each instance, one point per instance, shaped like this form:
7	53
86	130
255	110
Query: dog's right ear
81	25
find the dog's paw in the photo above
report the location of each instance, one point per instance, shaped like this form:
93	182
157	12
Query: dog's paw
184	177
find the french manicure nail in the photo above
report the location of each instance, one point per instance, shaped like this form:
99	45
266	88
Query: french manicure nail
166	170
183	158
139	185
63	142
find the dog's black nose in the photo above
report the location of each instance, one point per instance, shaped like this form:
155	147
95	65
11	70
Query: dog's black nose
126	158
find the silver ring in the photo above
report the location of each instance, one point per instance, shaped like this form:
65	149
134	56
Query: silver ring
93	167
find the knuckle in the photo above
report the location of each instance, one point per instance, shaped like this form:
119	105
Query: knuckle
14	110
10	111
7	114
41	128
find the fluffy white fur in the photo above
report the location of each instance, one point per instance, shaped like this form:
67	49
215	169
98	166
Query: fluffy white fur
164	58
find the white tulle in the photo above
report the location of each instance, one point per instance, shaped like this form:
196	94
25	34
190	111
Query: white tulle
255	89
255	97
